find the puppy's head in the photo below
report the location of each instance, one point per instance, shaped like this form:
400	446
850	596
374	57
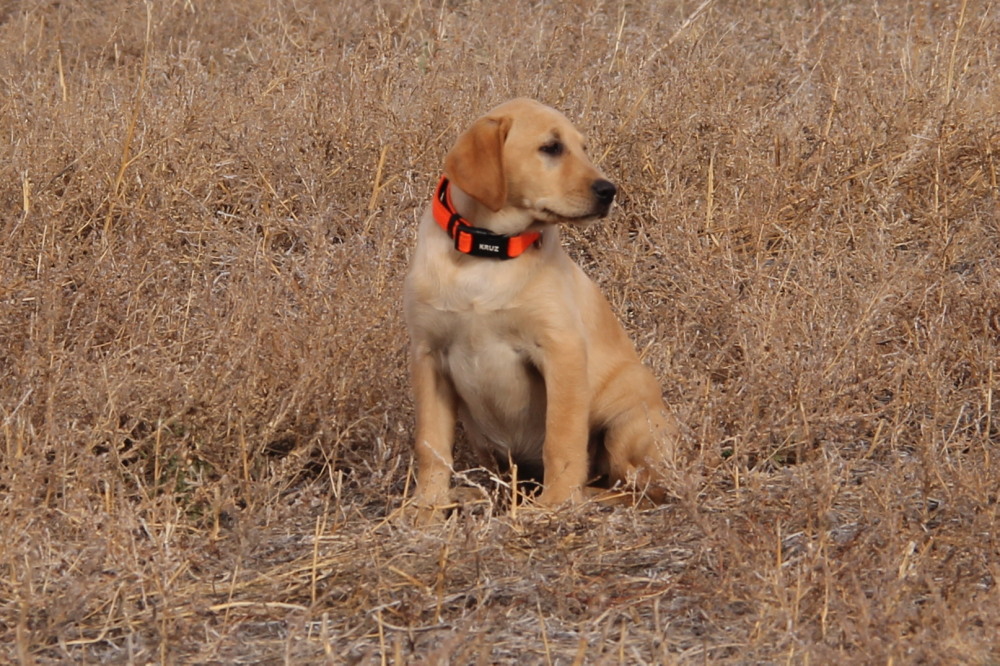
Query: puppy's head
527	156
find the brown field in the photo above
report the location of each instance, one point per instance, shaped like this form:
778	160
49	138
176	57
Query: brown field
207	211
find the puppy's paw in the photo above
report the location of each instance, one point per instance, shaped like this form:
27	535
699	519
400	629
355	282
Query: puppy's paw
555	496
424	516
426	508
464	495
422	512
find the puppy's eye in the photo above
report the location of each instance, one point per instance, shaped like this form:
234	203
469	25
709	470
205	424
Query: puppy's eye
553	148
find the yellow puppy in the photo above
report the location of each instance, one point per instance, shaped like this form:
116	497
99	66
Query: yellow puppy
507	332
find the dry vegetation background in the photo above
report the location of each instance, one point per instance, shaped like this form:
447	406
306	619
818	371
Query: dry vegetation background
207	210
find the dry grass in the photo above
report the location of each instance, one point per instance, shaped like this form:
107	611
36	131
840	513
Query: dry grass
204	412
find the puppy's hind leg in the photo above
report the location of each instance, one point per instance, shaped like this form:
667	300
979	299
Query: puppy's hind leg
641	445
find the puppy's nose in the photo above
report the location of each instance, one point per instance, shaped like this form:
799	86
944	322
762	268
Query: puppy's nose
604	190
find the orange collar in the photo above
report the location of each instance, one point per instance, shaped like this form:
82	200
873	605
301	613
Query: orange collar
476	241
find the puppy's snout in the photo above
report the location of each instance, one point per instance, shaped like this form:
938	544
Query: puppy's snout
604	191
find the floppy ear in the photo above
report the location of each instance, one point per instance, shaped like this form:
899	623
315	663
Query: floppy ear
475	163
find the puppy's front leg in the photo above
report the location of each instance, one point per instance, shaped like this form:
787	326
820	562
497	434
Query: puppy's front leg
436	407
567	394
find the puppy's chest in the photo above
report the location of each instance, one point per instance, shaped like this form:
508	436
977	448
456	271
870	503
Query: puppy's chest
495	375
482	343
480	324
485	354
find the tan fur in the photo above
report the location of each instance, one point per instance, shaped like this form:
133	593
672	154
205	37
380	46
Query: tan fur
526	351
